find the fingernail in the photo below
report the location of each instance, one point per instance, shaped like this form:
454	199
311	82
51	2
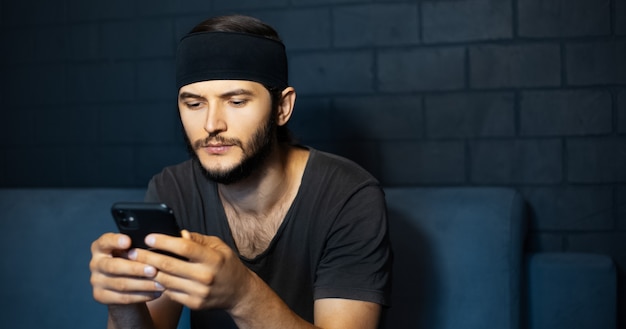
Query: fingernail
150	240
123	241
132	254
149	270
159	286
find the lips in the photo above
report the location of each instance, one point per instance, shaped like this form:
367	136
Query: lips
217	149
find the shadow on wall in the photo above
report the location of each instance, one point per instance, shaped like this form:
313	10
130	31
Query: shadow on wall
415	286
345	132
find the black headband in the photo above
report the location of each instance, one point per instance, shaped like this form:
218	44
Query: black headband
206	56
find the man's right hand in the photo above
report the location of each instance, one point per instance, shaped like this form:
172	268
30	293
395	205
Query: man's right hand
116	279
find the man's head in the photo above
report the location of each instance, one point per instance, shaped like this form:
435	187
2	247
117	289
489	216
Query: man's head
234	98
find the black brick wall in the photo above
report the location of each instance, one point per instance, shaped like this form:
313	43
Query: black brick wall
523	93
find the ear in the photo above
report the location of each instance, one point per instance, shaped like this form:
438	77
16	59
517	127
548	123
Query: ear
286	105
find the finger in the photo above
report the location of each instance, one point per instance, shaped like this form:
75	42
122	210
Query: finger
159	261
105	296
124	284
109	242
117	266
186	247
194	280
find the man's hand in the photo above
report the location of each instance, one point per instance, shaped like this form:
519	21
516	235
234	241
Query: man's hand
116	279
212	277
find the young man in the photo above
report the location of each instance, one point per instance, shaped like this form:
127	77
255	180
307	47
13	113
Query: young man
275	235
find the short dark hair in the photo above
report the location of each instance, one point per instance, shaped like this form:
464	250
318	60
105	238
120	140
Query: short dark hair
237	23
254	26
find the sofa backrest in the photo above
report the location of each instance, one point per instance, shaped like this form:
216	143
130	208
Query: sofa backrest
48	233
458	257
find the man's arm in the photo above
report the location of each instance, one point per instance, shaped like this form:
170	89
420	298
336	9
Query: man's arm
214	277
346	313
262	308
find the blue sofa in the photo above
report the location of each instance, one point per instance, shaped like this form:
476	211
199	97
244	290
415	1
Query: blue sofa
459	263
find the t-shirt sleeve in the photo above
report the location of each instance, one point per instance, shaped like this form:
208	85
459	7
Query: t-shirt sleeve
356	263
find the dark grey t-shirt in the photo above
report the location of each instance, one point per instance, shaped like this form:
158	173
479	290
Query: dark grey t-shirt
333	242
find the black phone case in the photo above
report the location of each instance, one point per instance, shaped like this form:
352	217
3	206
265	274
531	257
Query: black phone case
138	219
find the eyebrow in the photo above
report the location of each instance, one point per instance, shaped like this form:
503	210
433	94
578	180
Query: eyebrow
235	92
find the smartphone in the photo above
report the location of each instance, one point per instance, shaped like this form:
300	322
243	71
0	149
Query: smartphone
138	219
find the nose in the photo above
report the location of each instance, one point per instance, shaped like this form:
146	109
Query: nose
215	122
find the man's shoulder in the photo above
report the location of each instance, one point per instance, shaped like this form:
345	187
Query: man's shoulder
180	172
336	176
338	165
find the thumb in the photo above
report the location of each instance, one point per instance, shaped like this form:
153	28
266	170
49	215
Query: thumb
206	240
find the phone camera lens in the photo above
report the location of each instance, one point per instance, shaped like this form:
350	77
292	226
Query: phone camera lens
127	220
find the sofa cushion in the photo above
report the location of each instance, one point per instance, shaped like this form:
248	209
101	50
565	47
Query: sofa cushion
458	257
571	290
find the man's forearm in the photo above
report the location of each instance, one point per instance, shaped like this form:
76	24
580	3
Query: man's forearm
263	308
129	316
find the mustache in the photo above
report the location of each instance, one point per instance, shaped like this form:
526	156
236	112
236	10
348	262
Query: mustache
216	139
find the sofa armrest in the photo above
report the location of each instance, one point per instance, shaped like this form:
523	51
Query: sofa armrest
571	290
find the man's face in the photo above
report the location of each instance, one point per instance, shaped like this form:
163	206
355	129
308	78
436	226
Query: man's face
229	125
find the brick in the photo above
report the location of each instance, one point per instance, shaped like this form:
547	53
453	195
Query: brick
544	242
564	18
50	83
170	8
620	17
516	162
16	126
453	21
319	2
37	45
294	27
596	62
101	166
597	160
311	120
421	69
139	124
376	25
3	171
110	81
84	42
621	207
323	73
608	243
156	80
26	38
66	126
78	10
150	160
504	66
410	163
114	167
569	112
38	13
470	115
184	24
249	4
138	39
621	112
378	118
26	169
570	208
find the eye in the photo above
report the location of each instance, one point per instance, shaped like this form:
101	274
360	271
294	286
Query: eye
237	102
193	105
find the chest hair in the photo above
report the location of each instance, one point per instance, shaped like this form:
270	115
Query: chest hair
254	233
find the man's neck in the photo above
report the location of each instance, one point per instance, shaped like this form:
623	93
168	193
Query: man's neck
278	179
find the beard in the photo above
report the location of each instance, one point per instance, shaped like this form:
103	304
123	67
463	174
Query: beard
254	153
